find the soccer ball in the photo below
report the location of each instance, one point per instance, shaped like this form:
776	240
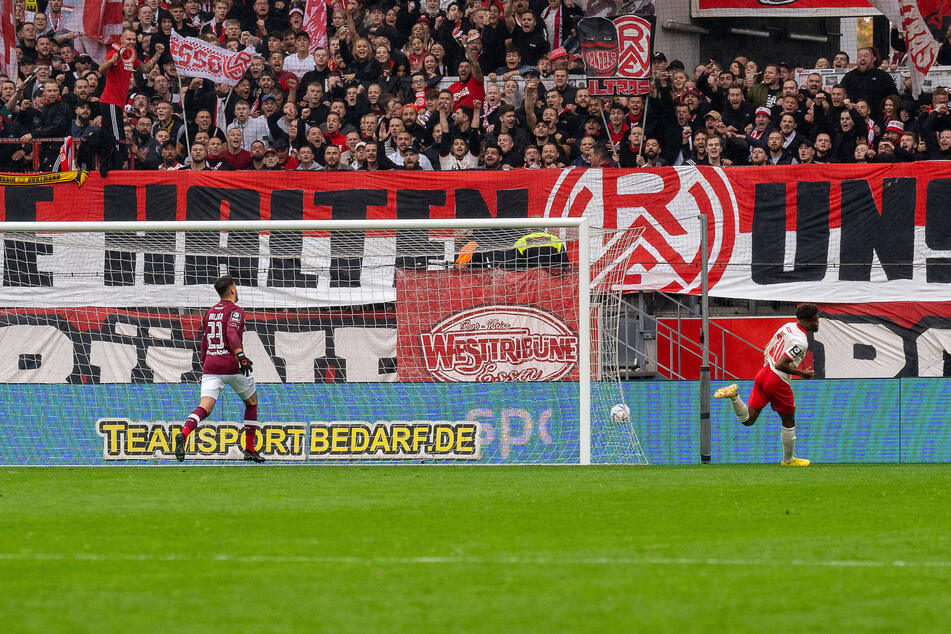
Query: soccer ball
620	414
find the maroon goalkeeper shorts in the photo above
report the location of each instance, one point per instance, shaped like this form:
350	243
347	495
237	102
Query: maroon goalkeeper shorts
768	387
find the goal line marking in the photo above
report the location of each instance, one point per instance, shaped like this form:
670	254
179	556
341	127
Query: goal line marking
450	560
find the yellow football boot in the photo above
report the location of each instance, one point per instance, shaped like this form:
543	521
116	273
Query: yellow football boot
795	462
726	392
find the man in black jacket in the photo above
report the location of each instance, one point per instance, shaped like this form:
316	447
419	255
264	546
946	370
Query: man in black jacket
938	143
865	81
55	121
737	112
12	156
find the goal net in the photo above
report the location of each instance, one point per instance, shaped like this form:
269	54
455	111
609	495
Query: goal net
492	341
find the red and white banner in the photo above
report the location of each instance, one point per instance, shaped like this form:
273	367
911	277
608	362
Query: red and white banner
924	24
487	326
8	54
197	58
830	233
100	24
779	8
617	54
315	23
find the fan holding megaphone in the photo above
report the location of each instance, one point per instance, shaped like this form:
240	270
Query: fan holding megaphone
117	71
126	54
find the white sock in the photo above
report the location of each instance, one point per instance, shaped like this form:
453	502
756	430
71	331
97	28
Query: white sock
788	436
740	409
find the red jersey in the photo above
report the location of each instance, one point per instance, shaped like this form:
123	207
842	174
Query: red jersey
337	139
116	90
240	160
221	332
463	94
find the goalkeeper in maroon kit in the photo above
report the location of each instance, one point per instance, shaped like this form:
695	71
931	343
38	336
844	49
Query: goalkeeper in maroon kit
223	362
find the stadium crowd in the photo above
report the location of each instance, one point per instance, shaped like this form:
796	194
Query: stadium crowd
435	86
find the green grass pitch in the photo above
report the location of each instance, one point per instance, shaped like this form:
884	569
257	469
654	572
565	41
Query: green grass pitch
497	549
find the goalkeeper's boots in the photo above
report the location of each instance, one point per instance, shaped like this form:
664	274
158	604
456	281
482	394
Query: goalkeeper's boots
180	447
795	462
726	392
250	455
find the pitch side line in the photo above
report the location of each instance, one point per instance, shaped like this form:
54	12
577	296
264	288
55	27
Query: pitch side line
530	561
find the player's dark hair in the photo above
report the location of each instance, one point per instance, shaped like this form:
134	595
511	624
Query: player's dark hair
807	312
223	283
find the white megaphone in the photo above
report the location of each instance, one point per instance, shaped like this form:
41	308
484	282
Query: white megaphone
126	55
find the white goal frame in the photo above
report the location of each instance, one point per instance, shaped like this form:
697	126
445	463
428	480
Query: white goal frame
581	224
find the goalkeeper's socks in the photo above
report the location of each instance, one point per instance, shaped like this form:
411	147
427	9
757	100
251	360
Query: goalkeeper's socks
250	431
788	436
193	419
740	409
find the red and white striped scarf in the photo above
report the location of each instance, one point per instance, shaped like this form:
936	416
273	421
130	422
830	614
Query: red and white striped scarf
64	161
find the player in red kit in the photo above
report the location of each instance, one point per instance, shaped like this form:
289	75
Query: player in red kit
782	357
117	71
223	362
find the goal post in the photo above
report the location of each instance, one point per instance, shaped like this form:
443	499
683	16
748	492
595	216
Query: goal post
501	334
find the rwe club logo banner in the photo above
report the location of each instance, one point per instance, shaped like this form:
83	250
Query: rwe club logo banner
617	54
842	233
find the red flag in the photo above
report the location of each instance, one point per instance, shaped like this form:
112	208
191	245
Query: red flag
8	55
100	22
315	23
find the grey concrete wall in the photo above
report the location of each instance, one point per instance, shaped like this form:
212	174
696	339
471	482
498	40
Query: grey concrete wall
675	45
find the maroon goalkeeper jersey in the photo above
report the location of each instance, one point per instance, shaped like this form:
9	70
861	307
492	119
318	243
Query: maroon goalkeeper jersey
221	332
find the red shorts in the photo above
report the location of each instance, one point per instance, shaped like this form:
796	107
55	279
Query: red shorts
768	387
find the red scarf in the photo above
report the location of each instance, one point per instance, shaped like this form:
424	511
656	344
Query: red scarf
218	29
617	137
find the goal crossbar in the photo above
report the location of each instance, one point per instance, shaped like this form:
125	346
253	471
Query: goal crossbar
293	225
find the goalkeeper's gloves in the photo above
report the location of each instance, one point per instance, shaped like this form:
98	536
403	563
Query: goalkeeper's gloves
244	364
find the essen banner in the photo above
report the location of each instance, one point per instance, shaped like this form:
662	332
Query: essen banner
197	58
830	233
